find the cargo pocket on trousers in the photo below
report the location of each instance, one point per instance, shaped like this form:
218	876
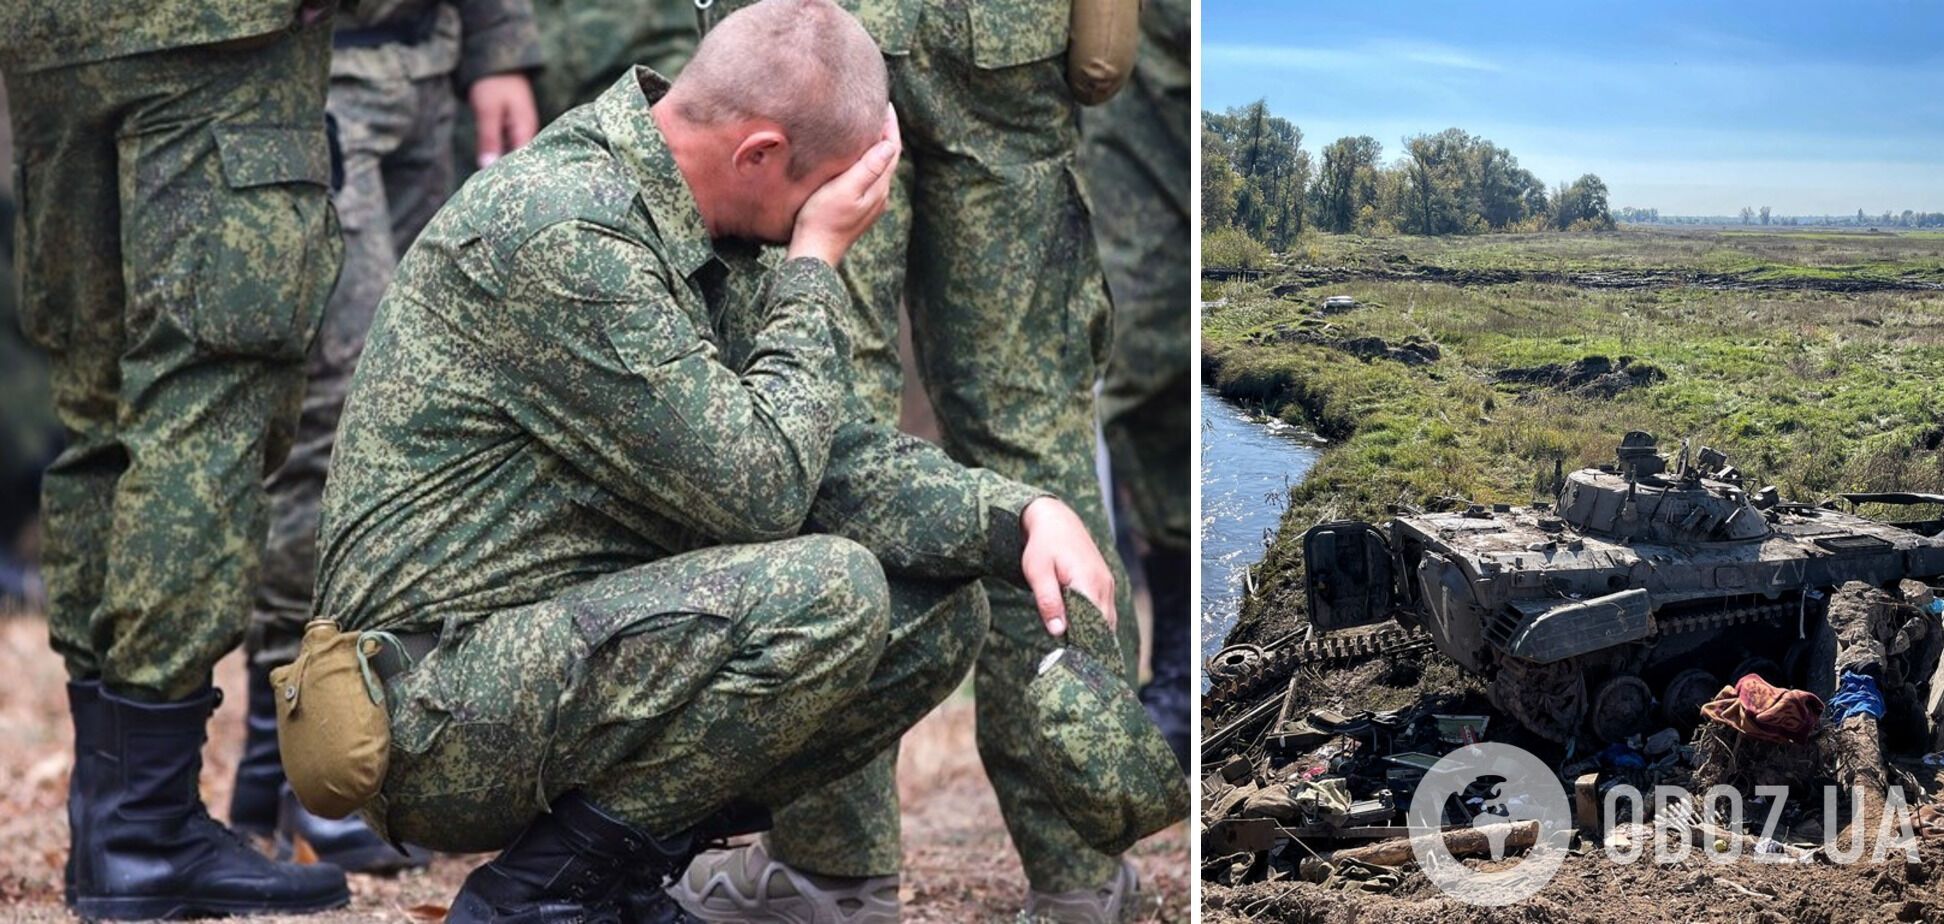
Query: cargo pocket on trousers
1011	34
43	325
271	255
648	659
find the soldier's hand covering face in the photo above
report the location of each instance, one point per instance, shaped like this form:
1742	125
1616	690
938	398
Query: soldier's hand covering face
841	210
1060	553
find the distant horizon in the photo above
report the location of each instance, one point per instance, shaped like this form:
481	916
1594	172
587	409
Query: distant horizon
1695	111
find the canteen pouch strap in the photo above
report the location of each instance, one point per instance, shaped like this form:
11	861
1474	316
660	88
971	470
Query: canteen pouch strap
332	724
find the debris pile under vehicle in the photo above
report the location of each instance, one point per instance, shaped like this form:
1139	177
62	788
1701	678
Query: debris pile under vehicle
1661	625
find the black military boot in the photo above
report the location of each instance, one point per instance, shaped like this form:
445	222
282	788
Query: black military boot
149	848
84	706
568	867
263	804
347	843
259	772
1167	696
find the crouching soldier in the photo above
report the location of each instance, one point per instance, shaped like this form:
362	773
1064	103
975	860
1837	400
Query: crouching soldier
624	566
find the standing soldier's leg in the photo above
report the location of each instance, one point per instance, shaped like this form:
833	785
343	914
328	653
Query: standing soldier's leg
874	273
395	135
226	248
1134	157
1012	325
1010	319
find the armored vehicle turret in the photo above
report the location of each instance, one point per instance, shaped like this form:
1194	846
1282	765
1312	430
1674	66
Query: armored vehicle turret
1644	589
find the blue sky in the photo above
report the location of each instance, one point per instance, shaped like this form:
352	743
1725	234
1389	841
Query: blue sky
1692	108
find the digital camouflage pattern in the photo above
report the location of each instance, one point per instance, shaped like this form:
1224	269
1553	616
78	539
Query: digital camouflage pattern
1114	778
177	246
589	44
393	106
1134	158
776	667
1012	326
40	35
583	443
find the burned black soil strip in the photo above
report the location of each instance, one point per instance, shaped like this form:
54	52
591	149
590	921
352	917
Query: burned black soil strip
1297	279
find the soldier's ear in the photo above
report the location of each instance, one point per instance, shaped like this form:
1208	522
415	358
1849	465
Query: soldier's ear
761	152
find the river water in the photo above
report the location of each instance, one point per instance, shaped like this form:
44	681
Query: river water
1248	465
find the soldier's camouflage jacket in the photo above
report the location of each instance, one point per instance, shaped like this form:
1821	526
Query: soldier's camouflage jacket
613	387
39	34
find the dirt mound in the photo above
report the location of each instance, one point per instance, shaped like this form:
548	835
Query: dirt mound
1411	351
1589	376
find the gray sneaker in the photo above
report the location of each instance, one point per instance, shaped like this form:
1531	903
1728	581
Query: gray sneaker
747	884
1112	902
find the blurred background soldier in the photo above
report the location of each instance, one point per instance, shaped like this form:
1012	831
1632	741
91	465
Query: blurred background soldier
1134	158
989	243
587	45
29	433
177	246
397	68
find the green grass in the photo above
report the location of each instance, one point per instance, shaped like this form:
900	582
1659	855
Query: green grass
1814	392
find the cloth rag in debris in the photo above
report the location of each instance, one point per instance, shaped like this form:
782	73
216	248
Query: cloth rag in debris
1302	801
1930	820
1765	712
1856	694
1359	876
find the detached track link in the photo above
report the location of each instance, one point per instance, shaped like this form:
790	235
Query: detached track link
1280	662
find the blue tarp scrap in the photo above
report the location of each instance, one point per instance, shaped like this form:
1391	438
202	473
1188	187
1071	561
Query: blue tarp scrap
1856	694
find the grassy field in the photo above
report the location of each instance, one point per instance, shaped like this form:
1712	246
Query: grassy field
1815	360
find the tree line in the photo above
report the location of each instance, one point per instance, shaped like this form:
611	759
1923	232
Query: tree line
1751	215
1259	179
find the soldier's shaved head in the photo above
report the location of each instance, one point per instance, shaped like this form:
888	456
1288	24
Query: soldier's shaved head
805	65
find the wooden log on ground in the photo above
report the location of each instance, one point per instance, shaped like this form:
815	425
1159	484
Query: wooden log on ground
1460	842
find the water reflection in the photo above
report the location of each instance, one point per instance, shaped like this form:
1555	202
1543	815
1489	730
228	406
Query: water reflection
1248	465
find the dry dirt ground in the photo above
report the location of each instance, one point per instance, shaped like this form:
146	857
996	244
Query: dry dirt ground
959	865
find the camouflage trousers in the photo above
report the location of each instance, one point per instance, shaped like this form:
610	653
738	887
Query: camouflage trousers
1134	157
738	674
395	133
990	245
177	244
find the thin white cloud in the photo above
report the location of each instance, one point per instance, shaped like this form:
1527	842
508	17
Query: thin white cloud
1376	52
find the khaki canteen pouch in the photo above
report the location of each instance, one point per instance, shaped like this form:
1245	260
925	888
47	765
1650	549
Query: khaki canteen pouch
331	722
1110	772
1101	43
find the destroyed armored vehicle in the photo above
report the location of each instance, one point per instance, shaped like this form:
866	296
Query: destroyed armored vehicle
1642	590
